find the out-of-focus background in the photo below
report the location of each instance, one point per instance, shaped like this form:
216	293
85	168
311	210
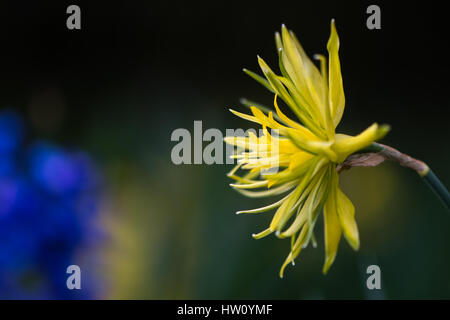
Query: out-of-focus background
86	176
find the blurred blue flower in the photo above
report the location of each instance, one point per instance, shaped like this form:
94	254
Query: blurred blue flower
49	198
11	132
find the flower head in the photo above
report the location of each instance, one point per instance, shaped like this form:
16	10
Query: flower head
307	151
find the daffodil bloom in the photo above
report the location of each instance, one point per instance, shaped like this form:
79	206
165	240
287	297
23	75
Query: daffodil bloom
308	150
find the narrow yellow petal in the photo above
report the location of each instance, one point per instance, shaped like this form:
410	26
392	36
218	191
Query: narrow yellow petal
346	213
294	65
308	205
278	42
323	69
346	145
265	208
233	171
276	84
262	234
317	147
244	116
336	87
309	115
296	249
253	185
240	179
302	215
243	142
332	227
288	206
324	73
259	79
316	84
265	120
271	192
304	131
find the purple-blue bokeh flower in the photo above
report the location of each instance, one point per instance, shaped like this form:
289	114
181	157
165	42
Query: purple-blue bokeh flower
49	200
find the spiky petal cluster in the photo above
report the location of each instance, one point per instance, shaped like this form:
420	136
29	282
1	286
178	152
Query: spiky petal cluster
307	151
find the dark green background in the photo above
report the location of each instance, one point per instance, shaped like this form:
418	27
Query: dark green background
138	70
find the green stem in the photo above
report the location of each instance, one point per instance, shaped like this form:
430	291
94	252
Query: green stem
438	187
376	153
420	167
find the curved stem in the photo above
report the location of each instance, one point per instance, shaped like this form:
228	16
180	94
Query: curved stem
439	189
421	168
403	159
377	153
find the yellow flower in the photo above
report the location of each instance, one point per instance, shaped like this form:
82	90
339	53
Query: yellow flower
307	152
